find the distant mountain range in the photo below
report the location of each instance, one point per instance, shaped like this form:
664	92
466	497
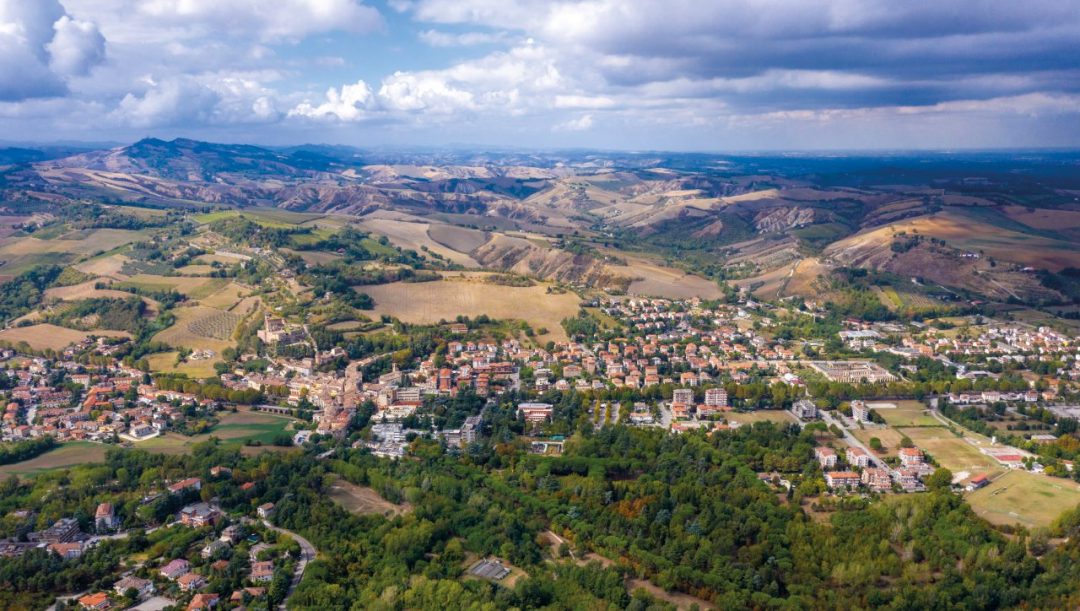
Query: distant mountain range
774	224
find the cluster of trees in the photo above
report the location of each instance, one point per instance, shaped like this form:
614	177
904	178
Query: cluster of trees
25	291
102	313
211	389
25	450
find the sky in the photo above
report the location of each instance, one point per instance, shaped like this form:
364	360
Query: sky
713	75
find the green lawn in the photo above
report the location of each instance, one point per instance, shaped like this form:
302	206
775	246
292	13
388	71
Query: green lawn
906	414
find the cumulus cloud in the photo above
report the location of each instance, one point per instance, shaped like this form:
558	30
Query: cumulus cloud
511	67
40	46
210	99
77	47
349	103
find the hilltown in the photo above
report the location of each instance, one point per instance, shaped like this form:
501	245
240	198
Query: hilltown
683	364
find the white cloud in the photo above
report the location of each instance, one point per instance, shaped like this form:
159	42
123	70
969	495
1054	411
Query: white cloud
77	47
210	99
583	101
437	38
579	124
40	46
350	103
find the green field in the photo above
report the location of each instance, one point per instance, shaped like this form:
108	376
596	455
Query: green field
907	414
1019	497
232	429
267	217
66	455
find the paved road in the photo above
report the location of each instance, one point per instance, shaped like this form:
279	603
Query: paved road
307	554
852	441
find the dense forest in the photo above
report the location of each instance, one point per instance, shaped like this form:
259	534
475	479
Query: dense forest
685	512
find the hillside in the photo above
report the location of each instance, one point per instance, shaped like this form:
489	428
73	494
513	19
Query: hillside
991	222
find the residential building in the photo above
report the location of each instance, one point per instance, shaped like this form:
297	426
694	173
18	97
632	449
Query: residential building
804	409
716	397
826	457
175	568
842	479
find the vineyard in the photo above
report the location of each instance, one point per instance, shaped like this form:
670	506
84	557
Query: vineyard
215	325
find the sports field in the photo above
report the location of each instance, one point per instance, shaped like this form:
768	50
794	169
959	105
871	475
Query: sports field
907	413
1019	497
956	454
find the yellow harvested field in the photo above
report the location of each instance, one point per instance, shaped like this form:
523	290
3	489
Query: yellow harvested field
653	279
84	290
227	297
1028	499
970	234
98	240
469	294
104	266
46	336
195	270
461	239
1042	218
410	235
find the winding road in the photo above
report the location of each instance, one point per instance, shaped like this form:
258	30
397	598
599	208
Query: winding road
307	554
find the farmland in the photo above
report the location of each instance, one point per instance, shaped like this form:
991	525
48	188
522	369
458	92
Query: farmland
1024	498
654	279
165	362
194	287
201	328
46	336
414	235
66	455
469	295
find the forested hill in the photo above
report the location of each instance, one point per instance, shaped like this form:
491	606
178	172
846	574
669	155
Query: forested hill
685	512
